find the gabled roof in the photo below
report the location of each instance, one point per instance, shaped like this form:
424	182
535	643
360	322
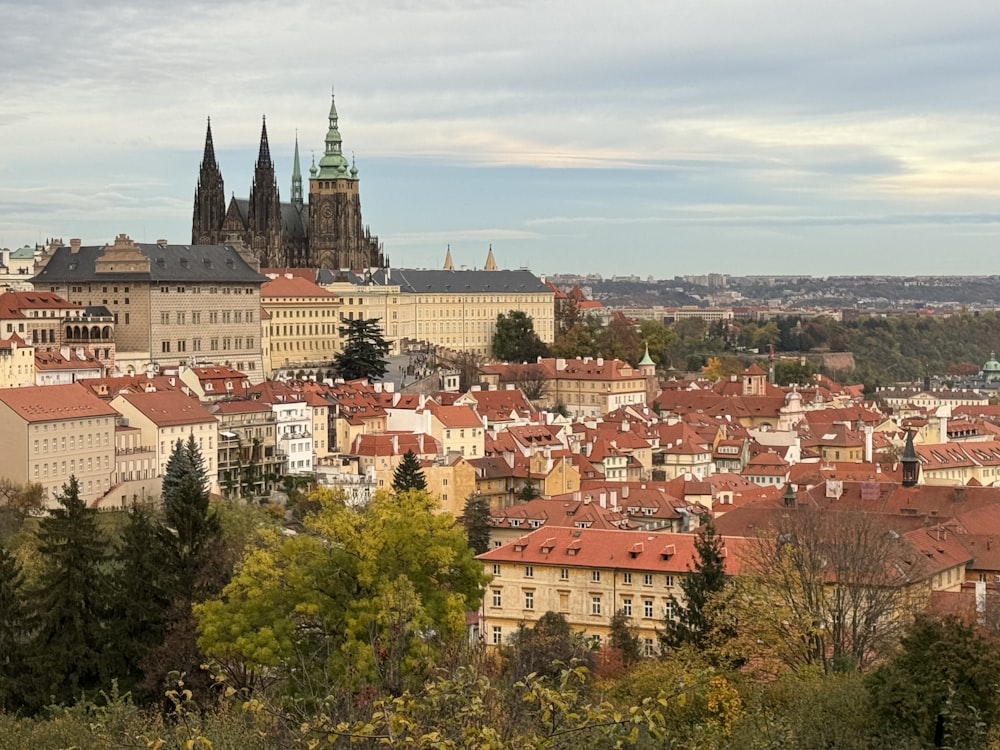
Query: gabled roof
288	285
168	408
48	403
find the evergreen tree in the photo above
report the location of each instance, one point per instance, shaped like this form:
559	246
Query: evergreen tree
68	651
139	595
408	474
476	519
14	626
365	350
703	581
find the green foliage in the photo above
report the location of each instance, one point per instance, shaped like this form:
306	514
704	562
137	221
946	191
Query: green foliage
364	351
792	372
14	628
68	647
620	339
546	649
624	638
705	580
408	474
363	599
941	688
476	519
515	339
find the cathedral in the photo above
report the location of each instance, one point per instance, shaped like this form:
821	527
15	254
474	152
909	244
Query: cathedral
326	232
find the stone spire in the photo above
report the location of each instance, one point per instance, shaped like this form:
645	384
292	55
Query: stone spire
333	164
491	263
297	199
209	197
448	264
264	155
910	462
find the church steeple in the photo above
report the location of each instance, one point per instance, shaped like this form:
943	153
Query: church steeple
209	197
448	264
297	200
264	212
333	164
264	155
491	263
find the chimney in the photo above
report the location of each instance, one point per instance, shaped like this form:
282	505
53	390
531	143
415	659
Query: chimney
74	245
395	445
161	243
868	443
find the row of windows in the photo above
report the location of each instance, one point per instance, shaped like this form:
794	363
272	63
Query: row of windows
180	317
61	470
213	344
596	604
197	289
595	575
74	442
320	329
307	313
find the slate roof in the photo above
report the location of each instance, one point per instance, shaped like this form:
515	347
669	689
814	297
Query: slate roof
292	219
438	281
169	263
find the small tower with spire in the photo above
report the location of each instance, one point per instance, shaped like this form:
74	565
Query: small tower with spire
297	200
910	462
448	263
264	228
491	262
209	197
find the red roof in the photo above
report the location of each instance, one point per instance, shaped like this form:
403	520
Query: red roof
48	403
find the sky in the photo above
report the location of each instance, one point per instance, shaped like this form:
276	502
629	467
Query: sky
633	138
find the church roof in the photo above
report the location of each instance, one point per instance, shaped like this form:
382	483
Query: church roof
292	219
170	263
425	281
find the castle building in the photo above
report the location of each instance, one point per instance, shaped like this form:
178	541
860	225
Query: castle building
326	232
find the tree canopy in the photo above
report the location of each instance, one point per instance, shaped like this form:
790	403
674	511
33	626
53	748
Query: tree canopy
515	339
364	352
408	474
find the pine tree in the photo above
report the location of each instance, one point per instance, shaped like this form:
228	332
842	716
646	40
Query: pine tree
14	626
408	474
68	651
140	597
624	638
704	580
365	350
476	519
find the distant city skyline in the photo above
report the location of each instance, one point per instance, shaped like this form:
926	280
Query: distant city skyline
663	138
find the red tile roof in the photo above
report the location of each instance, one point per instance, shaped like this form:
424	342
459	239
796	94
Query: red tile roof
49	403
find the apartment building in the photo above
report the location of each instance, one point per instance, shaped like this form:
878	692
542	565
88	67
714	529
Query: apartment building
303	322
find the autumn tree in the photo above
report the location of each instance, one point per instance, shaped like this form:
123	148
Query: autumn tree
623	637
546	648
362	600
364	352
408	474
620	339
530	378
718	368
15	624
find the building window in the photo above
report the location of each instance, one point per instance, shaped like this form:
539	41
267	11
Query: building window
196	345
182	346
497	598
626	578
529	599
647	579
529	571
647	647
164	318
627	607
497	635
669	581
595	576
563	574
670	610
165	347
496	569
647	608
595	605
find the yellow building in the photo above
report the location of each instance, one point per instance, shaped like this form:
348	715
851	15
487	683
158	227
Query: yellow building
587	575
452	482
17	362
455	309
52	432
303	324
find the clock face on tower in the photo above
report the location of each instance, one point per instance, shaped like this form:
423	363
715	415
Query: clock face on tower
327	211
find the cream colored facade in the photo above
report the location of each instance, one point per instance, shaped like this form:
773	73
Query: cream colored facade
303	325
381	302
451	483
17	364
52	432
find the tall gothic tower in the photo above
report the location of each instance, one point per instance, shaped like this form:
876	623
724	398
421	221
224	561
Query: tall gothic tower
337	237
264	230
209	198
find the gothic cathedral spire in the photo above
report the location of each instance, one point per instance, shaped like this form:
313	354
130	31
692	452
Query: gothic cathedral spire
264	212
297	200
209	197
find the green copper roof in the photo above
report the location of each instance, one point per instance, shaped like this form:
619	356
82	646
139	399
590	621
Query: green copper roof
646	359
333	165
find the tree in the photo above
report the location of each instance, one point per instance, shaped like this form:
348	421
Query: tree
17	501
621	340
69	646
793	371
364	352
140	597
408	474
546	649
624	638
717	368
530	379
14	628
363	600
940	689
704	581
515	339
476	519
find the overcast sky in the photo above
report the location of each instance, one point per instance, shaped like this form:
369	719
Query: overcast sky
651	138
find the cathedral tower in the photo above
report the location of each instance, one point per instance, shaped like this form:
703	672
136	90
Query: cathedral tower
209	198
264	230
337	237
